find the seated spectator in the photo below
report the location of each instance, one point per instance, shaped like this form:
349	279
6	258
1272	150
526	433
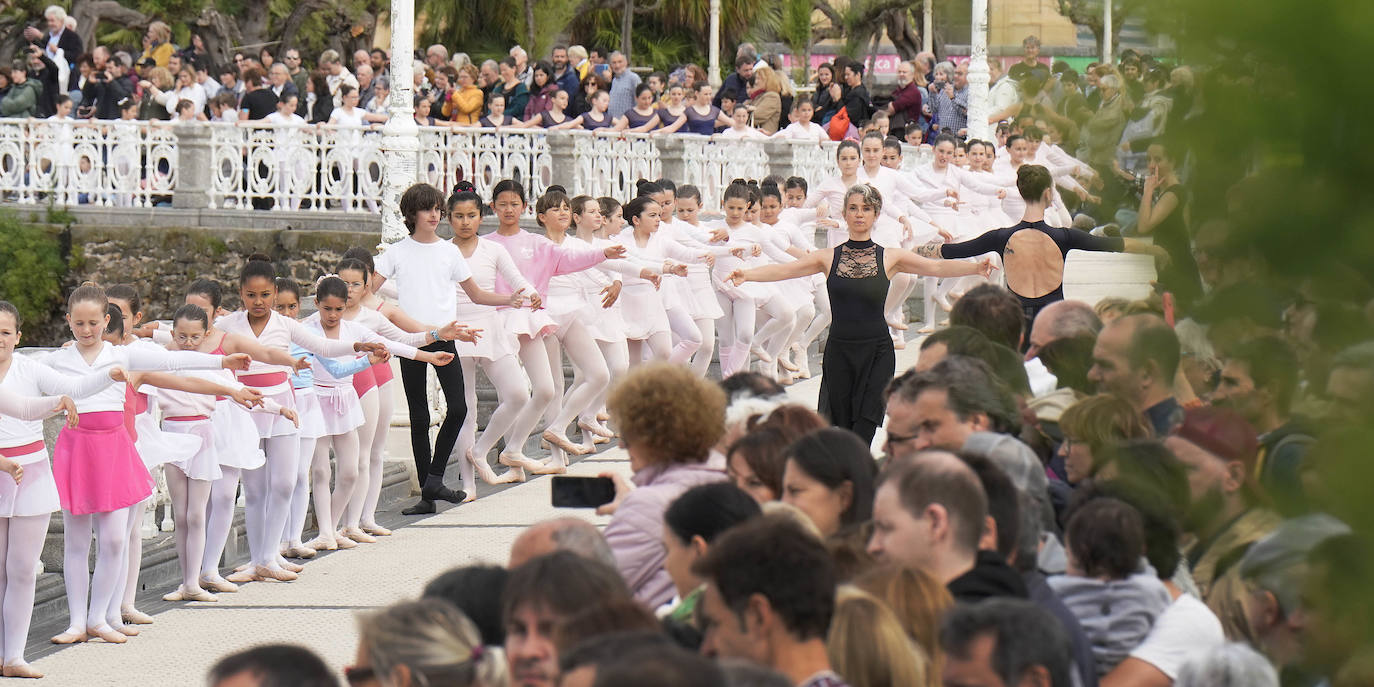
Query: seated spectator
1004	642
691	523
942	407
1090	427
868	646
614	617
560	534
741	673
467	98
829	476
1005	362
1115	602
1136	358
1229	665
580	665
769	598
423	643
540	595
919	601
662	666
668	420
1032	541
756	460
992	575
476	591
766	100
1069	360
269	665
741	128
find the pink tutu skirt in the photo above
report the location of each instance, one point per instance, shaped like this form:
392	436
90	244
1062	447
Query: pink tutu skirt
339	408
204	463
495	341
236	437
36	495
642	309
96	467
308	409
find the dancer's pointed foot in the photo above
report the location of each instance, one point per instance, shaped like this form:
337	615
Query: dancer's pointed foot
898	325
440	492
70	637
134	616
799	358
107	633
487	474
244	576
21	669
421	507
596	429
358	535
928	329
561	441
943	302
518	460
761	354
554	466
267	572
899	343
602	417
599	440
376	530
218	584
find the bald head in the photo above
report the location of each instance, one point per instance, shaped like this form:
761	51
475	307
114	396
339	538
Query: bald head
942	478
1062	320
561	534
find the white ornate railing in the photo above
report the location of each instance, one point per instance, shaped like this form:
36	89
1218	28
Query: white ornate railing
115	163
711	164
322	168
609	165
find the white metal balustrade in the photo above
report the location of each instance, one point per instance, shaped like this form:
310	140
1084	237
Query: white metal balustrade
120	163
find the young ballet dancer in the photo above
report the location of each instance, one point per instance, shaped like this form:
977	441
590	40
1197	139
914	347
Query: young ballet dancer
427	271
98	471
342	412
646	312
539	259
705	309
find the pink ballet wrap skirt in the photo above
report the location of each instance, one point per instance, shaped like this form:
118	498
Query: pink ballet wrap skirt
274	424
534	324
96	466
339	408
642	309
36	495
203	464
236	437
701	295
382	373
364	381
308	409
496	340
157	446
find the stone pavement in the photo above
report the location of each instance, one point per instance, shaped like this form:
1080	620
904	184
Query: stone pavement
319	610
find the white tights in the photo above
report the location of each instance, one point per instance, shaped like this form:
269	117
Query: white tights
133	558
267	498
773	334
587	360
534	355
21	540
820	321
90	596
686	333
512	394
221	518
701	362
300	496
898	290
351	513
189	500
659	344
329	507
736	331
374	454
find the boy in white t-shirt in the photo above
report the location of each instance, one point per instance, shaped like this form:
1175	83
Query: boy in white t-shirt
425	269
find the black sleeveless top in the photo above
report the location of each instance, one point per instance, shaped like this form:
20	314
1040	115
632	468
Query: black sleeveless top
857	285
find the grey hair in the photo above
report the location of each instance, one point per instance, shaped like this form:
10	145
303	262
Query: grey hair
439	47
382	82
1230	665
1278	562
946	68
489	63
55	11
434	640
582	538
1110	81
871	197
330	56
614	53
1066	319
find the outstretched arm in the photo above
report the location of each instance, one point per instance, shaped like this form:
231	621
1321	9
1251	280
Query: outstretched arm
911	263
812	263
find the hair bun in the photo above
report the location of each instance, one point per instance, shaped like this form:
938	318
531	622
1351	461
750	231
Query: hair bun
257	257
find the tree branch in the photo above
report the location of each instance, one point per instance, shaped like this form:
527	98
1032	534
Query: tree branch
90	13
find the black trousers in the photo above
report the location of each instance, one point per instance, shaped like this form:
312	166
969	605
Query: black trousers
430	467
853	377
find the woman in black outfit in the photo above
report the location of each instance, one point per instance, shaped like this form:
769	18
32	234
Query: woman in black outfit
1163	211
859	360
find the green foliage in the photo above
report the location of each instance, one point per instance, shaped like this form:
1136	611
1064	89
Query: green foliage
34	268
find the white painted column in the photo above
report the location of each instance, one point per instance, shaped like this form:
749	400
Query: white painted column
928	24
400	135
978	73
713	75
1107	31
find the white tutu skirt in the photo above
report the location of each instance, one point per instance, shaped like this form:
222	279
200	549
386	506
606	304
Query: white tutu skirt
642	309
887	232
604	324
701	294
496	340
798	293
530	323
36	495
308	410
156	446
204	463
340	409
236	437
274	424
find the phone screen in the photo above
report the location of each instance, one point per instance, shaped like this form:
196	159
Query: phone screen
582	492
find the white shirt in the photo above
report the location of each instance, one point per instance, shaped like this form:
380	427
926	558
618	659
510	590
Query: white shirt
425	275
1185	629
70	362
279	333
732	132
1002	95
797	131
29	377
488	261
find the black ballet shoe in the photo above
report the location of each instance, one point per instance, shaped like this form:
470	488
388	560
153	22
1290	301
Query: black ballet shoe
421	507
443	493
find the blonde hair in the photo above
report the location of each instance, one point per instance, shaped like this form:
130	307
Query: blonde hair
577	52
868	646
435	641
787	511
162	78
161	30
768	79
1101	421
919	601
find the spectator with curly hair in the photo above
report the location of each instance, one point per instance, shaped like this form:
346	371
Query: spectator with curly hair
668	419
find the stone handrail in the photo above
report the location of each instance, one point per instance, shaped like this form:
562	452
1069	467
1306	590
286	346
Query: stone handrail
335	170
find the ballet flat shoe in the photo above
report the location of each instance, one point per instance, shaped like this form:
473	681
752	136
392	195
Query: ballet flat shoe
108	634
218	585
126	630
291	567
358	535
561	441
377	530
269	573
602	417
596	429
322	544
200	595
344	543
133	616
21	670
70	638
244	576
178	594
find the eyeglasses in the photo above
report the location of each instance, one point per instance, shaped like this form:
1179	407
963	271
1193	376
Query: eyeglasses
188	338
